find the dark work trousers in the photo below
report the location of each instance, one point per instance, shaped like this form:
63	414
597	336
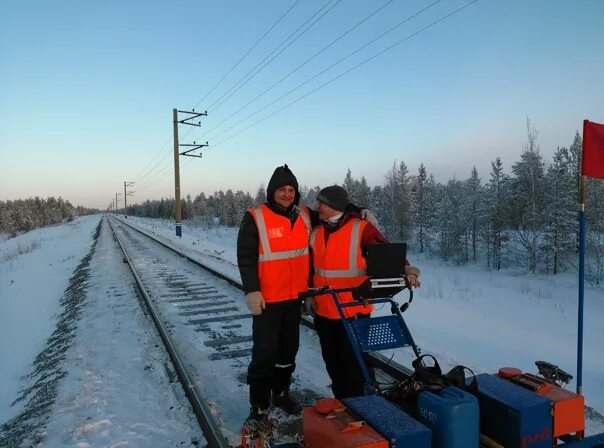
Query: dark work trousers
343	368
276	337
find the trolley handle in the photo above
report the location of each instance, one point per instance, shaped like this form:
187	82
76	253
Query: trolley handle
312	292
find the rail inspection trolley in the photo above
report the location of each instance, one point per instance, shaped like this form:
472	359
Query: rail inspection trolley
508	409
385	268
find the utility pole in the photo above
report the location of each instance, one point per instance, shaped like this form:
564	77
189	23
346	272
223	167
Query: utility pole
127	193
116	201
177	146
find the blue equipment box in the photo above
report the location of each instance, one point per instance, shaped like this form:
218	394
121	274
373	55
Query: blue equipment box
512	415
393	424
596	441
452	415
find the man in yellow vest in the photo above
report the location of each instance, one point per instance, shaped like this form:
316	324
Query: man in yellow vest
338	247
273	260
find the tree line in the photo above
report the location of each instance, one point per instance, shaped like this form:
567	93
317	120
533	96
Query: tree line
525	220
23	215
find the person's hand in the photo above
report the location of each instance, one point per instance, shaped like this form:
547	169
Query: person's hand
412	274
310	306
255	302
369	217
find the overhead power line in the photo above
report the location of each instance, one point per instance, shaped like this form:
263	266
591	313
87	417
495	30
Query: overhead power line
221	101
329	67
146	172
348	71
266	33
340	37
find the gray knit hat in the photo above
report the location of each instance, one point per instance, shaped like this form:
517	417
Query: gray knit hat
335	197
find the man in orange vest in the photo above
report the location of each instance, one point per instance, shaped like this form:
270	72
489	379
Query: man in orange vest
338	247
273	260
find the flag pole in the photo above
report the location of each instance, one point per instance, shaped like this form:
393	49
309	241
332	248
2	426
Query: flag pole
581	286
582	181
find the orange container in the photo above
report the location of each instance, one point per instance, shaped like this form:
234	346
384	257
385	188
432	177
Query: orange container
568	407
338	429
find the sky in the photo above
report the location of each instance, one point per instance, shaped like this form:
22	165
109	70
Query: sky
87	90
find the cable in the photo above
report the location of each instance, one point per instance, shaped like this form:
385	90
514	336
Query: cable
341	36
421	11
271	53
348	71
148	182
140	175
152	159
248	52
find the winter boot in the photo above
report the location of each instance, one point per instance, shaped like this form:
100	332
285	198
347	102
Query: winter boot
257	430
286	402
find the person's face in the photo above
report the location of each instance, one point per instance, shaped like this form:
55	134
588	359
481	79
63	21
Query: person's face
325	211
285	196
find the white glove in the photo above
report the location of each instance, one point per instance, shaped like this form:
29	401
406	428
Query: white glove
369	217
255	302
310	305
412	274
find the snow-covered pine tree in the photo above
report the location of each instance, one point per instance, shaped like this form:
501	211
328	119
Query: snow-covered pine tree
528	199
422	205
473	209
260	196
496	196
310	197
451	225
560	214
243	202
350	185
363	191
228	210
378	205
397	203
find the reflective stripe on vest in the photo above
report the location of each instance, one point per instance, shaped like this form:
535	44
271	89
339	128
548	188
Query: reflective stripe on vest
352	260
283	253
338	263
270	255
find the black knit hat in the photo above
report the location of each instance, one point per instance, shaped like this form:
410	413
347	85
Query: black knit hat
281	177
335	197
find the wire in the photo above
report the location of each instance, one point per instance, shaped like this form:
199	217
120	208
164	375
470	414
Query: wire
271	53
341	36
152	159
341	74
248	52
140	176
331	66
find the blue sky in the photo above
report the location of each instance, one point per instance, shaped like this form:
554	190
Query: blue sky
87	91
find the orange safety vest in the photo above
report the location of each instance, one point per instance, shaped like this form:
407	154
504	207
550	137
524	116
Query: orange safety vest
283	260
339	264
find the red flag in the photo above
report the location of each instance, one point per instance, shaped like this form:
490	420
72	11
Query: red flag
593	149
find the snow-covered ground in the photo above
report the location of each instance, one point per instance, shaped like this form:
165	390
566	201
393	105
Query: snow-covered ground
119	389
34	271
463	315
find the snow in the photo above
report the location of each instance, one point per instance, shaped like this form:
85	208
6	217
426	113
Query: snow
118	391
31	285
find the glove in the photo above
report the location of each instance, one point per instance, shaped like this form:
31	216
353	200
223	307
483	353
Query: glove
310	306
412	274
255	302
369	217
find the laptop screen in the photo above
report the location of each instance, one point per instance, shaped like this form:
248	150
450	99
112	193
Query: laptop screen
386	260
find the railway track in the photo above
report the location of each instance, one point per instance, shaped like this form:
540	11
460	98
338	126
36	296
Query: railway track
201	317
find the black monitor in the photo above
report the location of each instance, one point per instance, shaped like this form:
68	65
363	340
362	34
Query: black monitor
386	260
386	270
